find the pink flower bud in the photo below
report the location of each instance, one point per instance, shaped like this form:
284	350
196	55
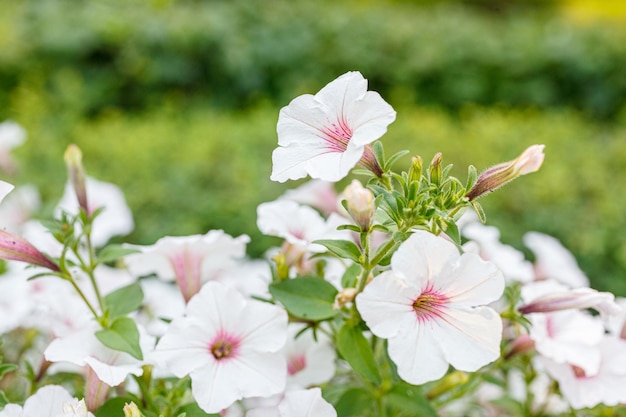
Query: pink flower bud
578	298
495	177
360	204
15	248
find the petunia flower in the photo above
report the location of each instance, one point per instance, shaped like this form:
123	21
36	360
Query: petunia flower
309	361
297	403
228	345
326	135
553	260
606	386
190	260
431	308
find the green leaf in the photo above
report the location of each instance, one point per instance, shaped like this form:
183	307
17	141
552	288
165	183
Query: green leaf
349	278
379	152
123	336
3	400
113	407
112	253
472	176
409	399
124	300
193	410
355	349
354	403
393	159
479	211
452	230
309	298
5	368
341	248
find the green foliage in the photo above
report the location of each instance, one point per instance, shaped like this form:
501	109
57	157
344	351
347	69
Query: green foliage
91	56
309	298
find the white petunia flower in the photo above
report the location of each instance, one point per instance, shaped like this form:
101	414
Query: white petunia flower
326	135
431	308
309	361
190	260
5	188
606	386
228	345
554	261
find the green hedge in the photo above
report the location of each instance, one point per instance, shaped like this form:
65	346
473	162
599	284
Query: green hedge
134	54
187	170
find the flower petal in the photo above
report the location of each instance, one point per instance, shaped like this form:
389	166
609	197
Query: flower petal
418	355
472	281
386	305
470	339
422	257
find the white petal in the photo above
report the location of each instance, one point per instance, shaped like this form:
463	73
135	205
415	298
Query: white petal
470	339
113	375
47	402
217	386
417	354
369	118
386	305
422	257
471	281
339	94
184	347
5	188
305	403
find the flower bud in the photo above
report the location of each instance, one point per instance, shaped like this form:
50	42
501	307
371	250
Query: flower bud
344	297
74	162
131	410
415	172
436	171
495	177
360	204
15	248
578	298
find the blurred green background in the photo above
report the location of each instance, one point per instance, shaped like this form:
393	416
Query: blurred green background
177	102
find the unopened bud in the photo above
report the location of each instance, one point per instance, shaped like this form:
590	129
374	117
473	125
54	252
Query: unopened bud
415	172
447	383
344	297
131	410
579	298
360	204
74	162
435	169
495	177
15	248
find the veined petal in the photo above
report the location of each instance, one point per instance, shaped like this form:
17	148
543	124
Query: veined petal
470	339
341	93
369	117
298	160
417	354
472	281
184	347
386	305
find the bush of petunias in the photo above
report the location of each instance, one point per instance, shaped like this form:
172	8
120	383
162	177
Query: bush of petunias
390	297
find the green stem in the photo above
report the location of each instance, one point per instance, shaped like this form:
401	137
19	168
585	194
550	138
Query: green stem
82	295
92	266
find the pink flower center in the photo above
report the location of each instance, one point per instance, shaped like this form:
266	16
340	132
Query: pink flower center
295	364
429	305
224	346
337	136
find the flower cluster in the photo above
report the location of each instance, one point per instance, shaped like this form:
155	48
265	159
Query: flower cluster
390	297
